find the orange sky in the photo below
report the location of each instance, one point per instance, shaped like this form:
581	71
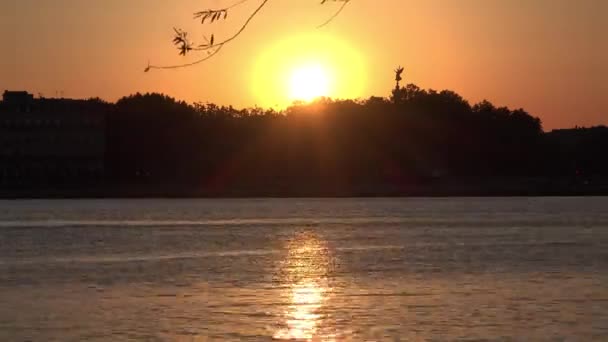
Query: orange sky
547	56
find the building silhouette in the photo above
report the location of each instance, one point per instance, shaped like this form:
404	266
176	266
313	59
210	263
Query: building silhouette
50	141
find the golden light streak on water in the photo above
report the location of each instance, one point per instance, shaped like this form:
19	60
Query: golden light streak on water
305	276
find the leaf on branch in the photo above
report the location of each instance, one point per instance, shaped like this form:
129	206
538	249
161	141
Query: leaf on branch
210	47
181	41
214	15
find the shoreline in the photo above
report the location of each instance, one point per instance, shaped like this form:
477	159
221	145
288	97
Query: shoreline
113	191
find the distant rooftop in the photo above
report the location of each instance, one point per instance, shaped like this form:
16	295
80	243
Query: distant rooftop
24	102
17	97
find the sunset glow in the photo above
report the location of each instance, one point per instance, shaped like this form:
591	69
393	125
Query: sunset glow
304	67
547	56
310	170
308	83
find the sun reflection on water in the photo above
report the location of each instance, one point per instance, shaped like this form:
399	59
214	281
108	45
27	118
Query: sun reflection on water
304	272
302	317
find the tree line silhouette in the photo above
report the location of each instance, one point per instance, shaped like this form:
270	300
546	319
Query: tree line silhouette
415	139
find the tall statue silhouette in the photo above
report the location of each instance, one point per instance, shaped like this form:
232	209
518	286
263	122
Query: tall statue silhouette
398	77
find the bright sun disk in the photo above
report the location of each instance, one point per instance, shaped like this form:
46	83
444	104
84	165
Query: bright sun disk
308	82
302	67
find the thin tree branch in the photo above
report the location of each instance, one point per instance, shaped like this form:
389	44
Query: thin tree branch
212	45
185	45
236	4
157	67
335	14
239	31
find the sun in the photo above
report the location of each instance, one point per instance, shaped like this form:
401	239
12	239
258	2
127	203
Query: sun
308	82
303	67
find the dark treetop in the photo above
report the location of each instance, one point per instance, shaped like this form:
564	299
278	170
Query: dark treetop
417	142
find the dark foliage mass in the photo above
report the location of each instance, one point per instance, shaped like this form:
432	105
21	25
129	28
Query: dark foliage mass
416	138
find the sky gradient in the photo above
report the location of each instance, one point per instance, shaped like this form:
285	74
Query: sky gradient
547	56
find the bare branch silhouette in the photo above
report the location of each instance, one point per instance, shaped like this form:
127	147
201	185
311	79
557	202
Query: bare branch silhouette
236	4
345	2
210	46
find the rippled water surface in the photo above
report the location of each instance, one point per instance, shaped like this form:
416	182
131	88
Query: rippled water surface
307	269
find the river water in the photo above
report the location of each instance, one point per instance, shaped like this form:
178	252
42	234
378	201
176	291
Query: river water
304	269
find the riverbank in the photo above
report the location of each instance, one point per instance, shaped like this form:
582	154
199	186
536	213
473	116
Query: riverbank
502	187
